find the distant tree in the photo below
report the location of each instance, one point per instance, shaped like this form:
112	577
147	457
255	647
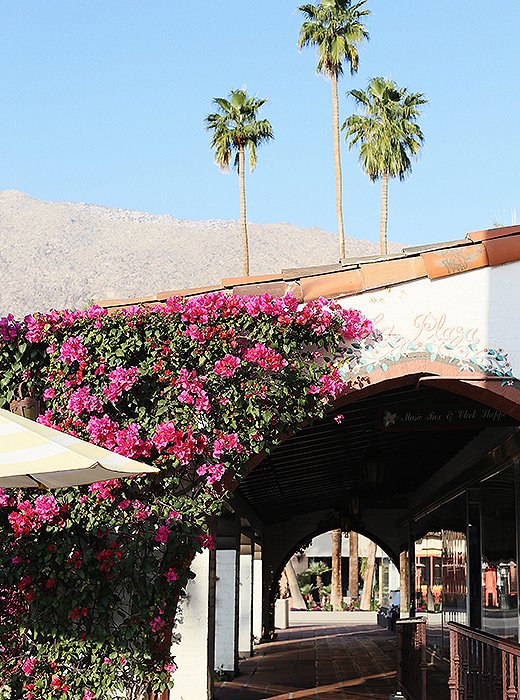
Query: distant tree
317	569
296	595
368	577
336	583
353	565
388	134
336	28
236	129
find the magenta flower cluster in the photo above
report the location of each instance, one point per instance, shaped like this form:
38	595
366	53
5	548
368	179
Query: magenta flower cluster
194	386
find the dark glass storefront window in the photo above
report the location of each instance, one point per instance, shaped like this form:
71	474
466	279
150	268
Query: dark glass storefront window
499	558
440	573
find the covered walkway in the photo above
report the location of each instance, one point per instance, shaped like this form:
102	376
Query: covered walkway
329	662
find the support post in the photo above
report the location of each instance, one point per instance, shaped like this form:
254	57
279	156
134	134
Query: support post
257	593
245	627
411	575
194	653
474	569
226	596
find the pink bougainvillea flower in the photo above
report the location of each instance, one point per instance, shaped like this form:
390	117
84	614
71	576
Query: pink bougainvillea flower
49	393
82	401
157	623
5	499
265	357
46	508
73	350
162	534
206	541
339	418
227	366
226	443
171	575
121	379
29	665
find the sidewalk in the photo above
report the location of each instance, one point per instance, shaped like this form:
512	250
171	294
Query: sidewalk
326	662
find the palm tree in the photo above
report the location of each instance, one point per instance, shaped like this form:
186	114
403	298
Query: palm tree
353	566
236	129
388	134
368	578
336	584
335	27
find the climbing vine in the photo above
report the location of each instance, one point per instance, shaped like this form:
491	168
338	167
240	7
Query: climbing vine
91	577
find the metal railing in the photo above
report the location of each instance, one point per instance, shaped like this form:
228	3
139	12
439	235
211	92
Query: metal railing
482	666
411	657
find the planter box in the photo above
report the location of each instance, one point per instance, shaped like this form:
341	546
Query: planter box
281	613
357	617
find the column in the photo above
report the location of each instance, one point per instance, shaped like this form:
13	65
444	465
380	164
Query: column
226	596
474	565
193	655
257	593
245	634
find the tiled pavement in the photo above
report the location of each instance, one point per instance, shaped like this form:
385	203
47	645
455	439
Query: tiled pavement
325	662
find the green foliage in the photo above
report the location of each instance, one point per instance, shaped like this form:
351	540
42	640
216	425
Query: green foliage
336	28
236	126
91	577
386	130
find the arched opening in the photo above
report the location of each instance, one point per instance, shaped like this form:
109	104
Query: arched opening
396	449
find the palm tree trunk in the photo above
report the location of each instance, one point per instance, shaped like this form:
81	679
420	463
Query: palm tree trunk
353	565
337	165
336	587
296	596
368	580
384	215
243	216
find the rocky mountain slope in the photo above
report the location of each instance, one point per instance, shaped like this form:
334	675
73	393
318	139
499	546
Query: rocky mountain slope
64	254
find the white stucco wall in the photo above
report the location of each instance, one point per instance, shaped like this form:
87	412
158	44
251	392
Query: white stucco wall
469	312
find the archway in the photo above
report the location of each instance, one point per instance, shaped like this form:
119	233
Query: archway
309	483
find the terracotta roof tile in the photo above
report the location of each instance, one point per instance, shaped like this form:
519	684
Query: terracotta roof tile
126	302
346	262
503	250
382	274
415	249
298	272
276	289
492	247
162	296
235	281
332	285
490	233
451	261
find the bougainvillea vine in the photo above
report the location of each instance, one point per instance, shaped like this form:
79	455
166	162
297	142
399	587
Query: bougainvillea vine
91	577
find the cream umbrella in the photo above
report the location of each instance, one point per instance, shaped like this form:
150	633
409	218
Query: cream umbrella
32	454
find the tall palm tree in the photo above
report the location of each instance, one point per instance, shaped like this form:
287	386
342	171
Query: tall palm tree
336	28
336	583
368	578
388	134
353	566
236	129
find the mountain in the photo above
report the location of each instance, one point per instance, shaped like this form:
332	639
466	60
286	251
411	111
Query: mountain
65	254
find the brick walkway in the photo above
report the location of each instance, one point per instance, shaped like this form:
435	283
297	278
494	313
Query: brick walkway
325	662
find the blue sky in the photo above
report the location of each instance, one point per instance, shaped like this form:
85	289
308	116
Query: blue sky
103	101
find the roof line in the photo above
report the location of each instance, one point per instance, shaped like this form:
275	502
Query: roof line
479	249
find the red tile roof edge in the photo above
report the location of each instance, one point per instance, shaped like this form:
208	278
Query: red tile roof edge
479	249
